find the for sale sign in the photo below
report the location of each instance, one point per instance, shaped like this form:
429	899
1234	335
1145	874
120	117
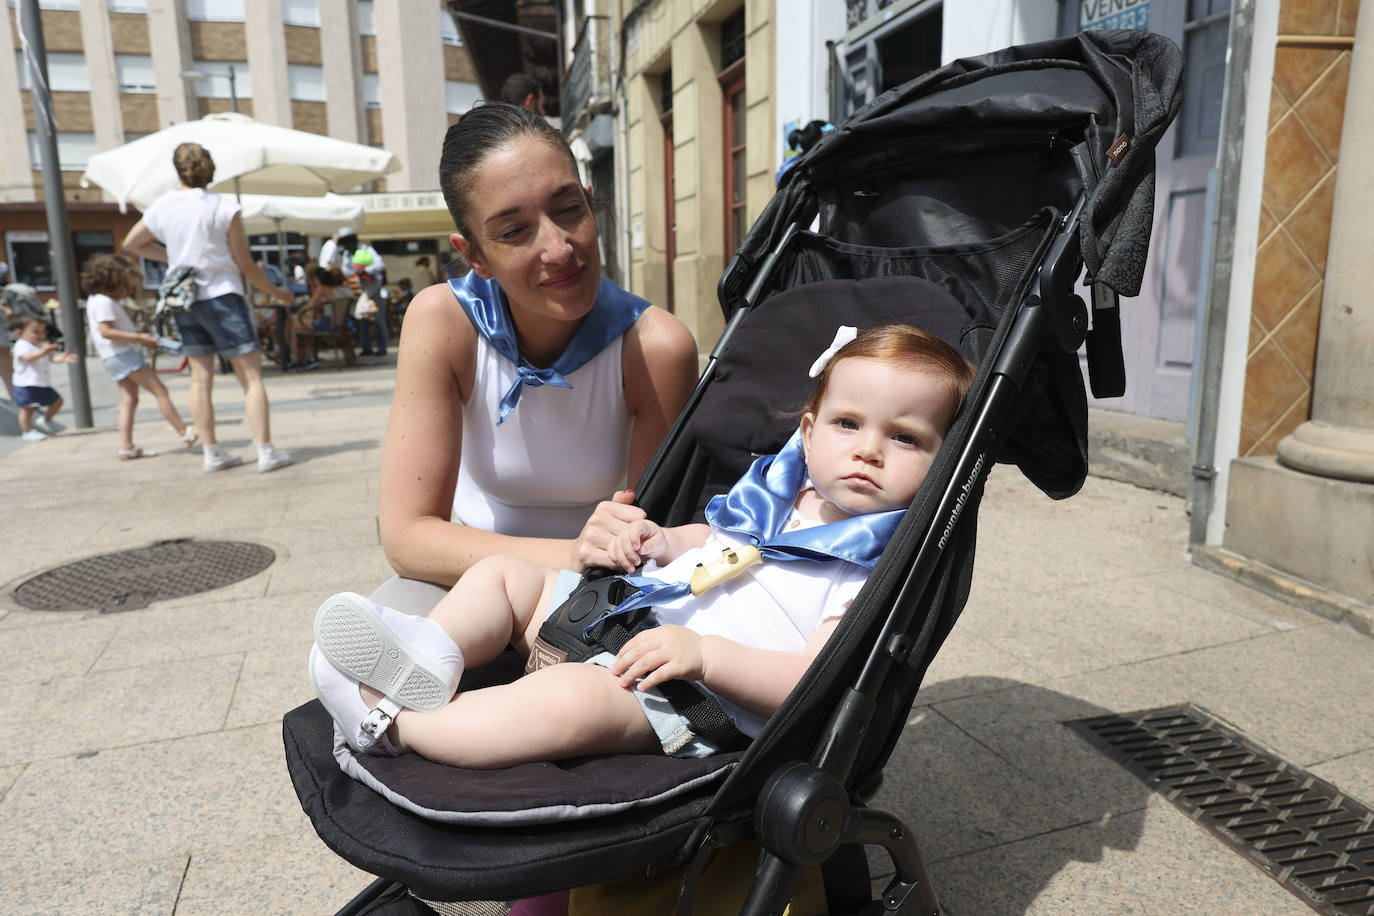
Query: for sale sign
1113	14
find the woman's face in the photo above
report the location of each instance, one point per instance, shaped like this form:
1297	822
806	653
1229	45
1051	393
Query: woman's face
533	231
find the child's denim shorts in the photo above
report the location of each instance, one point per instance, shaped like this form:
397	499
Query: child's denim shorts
35	396
673	730
220	325
124	364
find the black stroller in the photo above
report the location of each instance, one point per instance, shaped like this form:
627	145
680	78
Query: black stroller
967	202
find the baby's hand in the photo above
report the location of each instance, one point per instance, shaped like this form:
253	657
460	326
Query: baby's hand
638	541
65	358
664	653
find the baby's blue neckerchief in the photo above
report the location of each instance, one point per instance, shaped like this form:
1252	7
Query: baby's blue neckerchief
758	508
614	311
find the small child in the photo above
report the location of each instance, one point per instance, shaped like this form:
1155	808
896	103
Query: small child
819	512
105	279
33	357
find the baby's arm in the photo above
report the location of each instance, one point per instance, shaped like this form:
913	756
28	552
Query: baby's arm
645	540
756	679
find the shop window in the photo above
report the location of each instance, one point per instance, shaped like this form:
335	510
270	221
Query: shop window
735	109
669	182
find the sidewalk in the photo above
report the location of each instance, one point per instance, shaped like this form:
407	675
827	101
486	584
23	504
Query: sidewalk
144	770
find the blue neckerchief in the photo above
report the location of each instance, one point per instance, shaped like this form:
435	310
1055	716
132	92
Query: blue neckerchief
758	508
614	311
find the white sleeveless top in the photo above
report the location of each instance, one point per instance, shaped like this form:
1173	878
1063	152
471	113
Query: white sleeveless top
559	453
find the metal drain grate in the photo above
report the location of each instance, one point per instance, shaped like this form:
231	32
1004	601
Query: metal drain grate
1303	831
135	578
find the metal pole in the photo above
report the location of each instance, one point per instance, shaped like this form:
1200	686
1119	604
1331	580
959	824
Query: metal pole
59	232
233	91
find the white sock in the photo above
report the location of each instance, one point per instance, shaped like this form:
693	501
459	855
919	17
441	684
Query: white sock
212	452
266	452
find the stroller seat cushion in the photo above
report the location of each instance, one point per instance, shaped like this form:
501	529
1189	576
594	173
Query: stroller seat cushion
533	793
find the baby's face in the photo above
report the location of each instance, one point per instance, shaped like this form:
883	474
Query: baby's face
35	333
876	432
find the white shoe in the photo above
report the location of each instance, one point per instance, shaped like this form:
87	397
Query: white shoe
409	659
190	436
220	462
51	427
364	729
272	462
34	435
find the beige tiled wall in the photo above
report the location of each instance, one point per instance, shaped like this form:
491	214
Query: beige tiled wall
1307	104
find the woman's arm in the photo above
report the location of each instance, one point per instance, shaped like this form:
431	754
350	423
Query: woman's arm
243	259
420	454
141	241
659	361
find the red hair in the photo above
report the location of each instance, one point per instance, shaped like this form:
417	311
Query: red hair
902	343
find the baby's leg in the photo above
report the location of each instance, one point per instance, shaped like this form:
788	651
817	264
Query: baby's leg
500	601
53	408
26	419
557	712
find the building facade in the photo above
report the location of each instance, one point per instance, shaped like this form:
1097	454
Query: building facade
358	70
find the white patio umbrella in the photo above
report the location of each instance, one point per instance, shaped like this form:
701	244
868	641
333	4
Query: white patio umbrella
280	213
265	159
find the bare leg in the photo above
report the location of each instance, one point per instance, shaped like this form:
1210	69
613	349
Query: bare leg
7	370
248	370
53	408
564	711
146	378
498	602
202	407
128	403
26	419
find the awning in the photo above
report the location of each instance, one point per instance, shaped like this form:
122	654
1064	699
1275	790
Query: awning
404	215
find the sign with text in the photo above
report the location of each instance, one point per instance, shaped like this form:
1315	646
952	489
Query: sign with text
1113	14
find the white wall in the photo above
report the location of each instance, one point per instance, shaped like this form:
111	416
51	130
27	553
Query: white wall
979	26
803	61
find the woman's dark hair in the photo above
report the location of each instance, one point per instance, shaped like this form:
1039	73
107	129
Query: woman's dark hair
194	166
107	274
803	138
479	133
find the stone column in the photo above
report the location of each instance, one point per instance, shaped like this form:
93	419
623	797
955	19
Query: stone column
341	58
169	39
410	69
106	116
265	37
16	171
1302	523
1339	439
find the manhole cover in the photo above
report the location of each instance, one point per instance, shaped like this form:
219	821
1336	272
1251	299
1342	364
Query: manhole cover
135	578
1303	831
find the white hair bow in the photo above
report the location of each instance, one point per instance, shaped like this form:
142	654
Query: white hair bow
843	335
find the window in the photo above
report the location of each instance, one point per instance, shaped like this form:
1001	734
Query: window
66	72
306	82
86	245
215	85
73	150
460	96
735	109
372	91
301	12
366	22
891	51
127	6
1205	36
214	10
135	73
669	182
29	258
449	29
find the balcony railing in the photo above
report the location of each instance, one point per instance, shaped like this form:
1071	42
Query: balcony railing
588	80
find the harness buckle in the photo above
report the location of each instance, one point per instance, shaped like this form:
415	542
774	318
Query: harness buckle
731	562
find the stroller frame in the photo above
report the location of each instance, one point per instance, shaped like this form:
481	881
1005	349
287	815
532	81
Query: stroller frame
811	806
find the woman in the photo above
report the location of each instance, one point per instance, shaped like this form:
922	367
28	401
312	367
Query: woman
515	431
191	227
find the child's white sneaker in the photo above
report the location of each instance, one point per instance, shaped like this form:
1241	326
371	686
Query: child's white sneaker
51	427
364	729
189	437
220	461
34	435
410	659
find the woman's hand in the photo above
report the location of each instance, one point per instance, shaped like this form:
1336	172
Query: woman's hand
593	545
664	653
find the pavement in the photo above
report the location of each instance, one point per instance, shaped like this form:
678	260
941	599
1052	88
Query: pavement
144	769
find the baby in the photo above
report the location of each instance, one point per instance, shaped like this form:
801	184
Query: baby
813	520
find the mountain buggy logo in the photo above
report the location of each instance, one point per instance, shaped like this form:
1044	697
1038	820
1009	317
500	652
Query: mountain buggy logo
964	491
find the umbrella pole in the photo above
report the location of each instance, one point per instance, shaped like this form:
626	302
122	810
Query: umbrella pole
282	313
